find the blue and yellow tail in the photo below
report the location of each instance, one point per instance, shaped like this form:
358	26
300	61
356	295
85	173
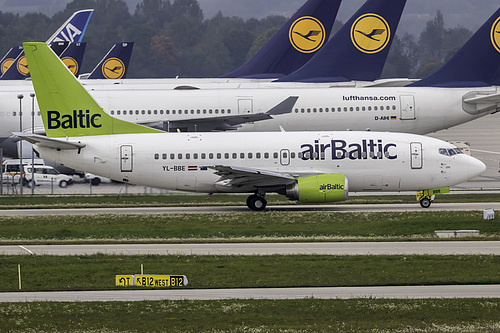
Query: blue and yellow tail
476	64
115	63
294	44
358	51
9	58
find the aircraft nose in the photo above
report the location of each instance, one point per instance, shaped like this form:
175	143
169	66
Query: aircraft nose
476	167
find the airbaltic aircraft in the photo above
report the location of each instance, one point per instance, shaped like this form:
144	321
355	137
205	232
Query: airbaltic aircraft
304	166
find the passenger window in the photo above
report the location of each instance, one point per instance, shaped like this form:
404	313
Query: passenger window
179	156
266	155
226	156
211	156
242	156
164	156
250	155
219	156
188	156
235	156
195	156
257	155
157	156
203	156
172	156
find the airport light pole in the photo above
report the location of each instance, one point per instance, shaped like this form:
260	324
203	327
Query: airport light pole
32	95
20	97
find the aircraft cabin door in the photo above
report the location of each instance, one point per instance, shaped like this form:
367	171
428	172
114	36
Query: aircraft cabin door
416	155
126	162
284	157
245	106
407	107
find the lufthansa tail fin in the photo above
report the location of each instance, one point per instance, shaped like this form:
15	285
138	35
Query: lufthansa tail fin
115	63
67	109
73	29
18	70
9	58
72	57
476	64
294	44
358	51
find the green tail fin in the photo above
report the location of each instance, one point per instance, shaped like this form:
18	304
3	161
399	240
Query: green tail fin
66	107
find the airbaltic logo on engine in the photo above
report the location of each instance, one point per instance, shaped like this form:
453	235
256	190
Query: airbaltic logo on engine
370	33
495	34
340	149
79	119
331	187
307	34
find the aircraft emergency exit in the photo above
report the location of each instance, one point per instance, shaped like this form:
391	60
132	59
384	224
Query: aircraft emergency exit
304	166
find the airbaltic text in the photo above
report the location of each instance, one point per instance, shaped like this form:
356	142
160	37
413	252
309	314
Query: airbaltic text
340	149
79	119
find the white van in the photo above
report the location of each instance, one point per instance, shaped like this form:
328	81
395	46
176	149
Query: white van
10	169
46	175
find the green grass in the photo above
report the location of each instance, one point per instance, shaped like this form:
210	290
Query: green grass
97	272
363	315
128	200
246	226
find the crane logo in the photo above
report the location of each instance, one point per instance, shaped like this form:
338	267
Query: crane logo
113	68
22	66
6	64
307	34
370	33
71	64
495	34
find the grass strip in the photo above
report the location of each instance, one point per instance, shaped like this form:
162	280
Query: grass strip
155	200
97	272
246	226
308	315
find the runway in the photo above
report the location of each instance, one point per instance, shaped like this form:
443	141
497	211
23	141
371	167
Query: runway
436	206
321	248
388	292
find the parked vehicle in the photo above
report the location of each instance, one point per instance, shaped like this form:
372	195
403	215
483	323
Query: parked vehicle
46	175
10	169
95	179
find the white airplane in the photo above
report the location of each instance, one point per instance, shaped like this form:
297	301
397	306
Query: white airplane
304	166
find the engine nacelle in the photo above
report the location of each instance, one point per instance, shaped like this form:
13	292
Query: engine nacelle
321	188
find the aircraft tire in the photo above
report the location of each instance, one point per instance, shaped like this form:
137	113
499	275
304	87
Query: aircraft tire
425	202
256	203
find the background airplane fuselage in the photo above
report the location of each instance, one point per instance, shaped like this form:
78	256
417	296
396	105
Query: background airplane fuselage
419	110
178	161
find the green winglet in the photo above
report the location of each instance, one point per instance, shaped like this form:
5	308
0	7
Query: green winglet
66	107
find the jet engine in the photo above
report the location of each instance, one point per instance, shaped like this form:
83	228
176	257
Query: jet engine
319	188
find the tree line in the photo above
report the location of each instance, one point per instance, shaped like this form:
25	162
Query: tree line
172	38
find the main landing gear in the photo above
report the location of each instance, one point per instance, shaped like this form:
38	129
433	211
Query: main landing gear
256	202
425	202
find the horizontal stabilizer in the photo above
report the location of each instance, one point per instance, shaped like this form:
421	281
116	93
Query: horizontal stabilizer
43	141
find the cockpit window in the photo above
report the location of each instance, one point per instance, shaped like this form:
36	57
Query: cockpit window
450	151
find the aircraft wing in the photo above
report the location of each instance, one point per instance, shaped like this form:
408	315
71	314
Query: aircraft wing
232	176
53	143
223	123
